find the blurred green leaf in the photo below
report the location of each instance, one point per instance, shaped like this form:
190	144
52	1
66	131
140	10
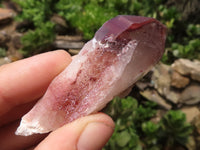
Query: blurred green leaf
2	52
174	128
38	39
123	138
134	130
150	128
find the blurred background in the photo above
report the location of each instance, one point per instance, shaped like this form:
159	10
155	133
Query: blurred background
162	110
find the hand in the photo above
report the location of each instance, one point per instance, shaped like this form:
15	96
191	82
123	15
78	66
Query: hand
22	83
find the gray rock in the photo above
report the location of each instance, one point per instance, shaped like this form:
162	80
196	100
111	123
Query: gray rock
190	95
4	60
191	143
69	38
68	42
4	38
67	45
16	40
187	67
141	85
191	112
5	15
161	78
159	114
152	95
74	51
179	81
173	96
145	82
162	82
61	26
196	123
59	20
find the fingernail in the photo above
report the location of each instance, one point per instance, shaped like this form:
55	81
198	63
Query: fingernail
94	136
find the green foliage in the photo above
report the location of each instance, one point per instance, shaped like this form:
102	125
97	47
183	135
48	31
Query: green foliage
87	16
187	51
135	130
39	39
187	46
2	52
38	13
174	129
151	139
128	116
35	11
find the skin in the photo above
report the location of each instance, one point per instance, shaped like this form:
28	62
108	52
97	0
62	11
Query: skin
22	83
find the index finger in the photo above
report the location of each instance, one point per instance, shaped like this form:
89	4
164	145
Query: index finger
27	80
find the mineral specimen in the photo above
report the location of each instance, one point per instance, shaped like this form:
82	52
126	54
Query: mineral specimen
123	50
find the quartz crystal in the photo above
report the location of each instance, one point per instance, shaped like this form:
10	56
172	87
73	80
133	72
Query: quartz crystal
123	50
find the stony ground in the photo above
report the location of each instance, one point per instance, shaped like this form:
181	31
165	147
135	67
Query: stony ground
175	86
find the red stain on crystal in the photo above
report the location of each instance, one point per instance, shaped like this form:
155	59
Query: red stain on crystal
89	74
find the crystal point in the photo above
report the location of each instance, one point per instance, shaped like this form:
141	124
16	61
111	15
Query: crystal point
123	50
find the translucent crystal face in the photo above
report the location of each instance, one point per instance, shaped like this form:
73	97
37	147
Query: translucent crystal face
116	26
117	32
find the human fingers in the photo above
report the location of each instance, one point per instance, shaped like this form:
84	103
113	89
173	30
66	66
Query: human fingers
26	80
16	113
87	133
9	141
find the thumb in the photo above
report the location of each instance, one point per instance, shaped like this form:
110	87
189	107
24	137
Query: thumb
87	133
